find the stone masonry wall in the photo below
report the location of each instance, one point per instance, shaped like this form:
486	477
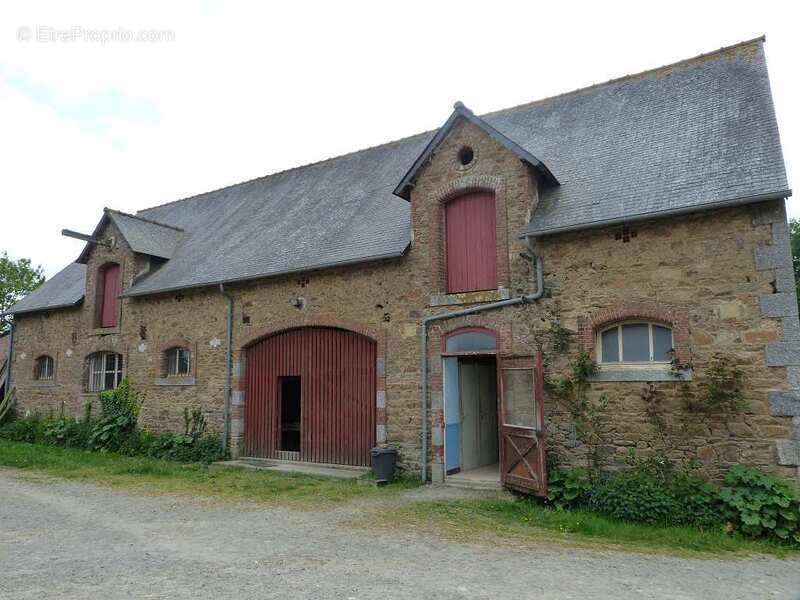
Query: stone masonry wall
699	272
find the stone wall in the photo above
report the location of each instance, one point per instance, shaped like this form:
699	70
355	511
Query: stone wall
698	272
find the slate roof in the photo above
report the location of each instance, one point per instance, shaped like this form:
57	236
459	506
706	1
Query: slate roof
64	289
147	237
330	213
698	134
144	236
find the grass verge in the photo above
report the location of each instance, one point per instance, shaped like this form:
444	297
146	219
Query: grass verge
506	520
166	477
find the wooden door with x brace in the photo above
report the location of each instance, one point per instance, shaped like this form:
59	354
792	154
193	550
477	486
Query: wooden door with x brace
521	423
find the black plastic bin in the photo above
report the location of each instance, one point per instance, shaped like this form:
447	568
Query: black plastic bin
383	463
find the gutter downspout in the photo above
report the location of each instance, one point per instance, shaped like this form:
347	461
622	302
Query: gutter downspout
228	368
532	297
8	359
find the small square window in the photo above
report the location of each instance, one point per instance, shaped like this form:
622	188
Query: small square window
179	362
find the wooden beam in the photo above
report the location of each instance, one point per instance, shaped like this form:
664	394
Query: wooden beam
81	236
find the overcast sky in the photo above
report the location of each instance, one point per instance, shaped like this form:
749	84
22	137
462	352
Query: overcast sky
225	92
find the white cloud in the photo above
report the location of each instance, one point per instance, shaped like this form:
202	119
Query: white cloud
248	89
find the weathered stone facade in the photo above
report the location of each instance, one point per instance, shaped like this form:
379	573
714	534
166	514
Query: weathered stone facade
715	277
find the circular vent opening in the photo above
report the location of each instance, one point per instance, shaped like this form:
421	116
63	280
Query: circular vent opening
466	155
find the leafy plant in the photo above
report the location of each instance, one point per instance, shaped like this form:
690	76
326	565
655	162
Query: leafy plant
67	432
568	488
639	496
120	412
28	429
761	506
588	416
721	389
656	490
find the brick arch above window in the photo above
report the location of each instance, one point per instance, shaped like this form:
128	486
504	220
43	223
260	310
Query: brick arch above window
676	318
468	184
483	334
275	328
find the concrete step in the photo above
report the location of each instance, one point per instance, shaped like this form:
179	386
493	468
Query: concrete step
468	483
291	466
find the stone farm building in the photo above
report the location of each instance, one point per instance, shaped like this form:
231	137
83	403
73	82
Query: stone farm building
423	294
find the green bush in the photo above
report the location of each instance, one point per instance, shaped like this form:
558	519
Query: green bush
761	506
26	429
656	491
568	488
639	496
193	445
67	432
120	411
116	431
205	448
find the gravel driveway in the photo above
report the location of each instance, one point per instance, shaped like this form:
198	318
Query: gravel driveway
76	540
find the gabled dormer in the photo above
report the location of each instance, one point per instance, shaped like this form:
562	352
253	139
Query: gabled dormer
472	190
121	249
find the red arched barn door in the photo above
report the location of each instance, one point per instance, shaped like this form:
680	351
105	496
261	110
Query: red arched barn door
312	390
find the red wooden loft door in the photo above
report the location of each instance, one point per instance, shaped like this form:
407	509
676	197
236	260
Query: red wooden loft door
331	374
471	243
111	291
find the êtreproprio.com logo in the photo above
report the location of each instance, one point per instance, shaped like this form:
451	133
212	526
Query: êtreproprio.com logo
80	34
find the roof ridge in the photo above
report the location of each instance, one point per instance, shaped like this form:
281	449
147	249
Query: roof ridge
761	38
145	219
631	76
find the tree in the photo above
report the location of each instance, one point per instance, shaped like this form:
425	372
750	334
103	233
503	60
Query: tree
794	232
17	279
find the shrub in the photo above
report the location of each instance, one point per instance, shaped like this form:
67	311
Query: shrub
27	429
761	506
655	491
70	433
193	445
120	411
568	488
205	448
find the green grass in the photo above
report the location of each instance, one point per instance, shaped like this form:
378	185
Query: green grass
166	477
520	521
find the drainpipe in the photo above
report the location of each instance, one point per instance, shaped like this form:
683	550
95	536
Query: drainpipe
532	297
228	366
8	359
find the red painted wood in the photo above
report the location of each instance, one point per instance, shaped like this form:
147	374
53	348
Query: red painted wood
337	389
471	243
522	450
111	291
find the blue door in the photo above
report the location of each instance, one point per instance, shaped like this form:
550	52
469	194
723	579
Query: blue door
452	416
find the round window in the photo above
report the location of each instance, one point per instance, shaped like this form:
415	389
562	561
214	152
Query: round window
466	155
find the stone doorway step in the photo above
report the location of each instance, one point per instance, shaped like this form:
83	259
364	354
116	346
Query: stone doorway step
482	478
292	466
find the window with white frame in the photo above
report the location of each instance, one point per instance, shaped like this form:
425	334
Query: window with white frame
179	362
44	368
635	343
104	371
